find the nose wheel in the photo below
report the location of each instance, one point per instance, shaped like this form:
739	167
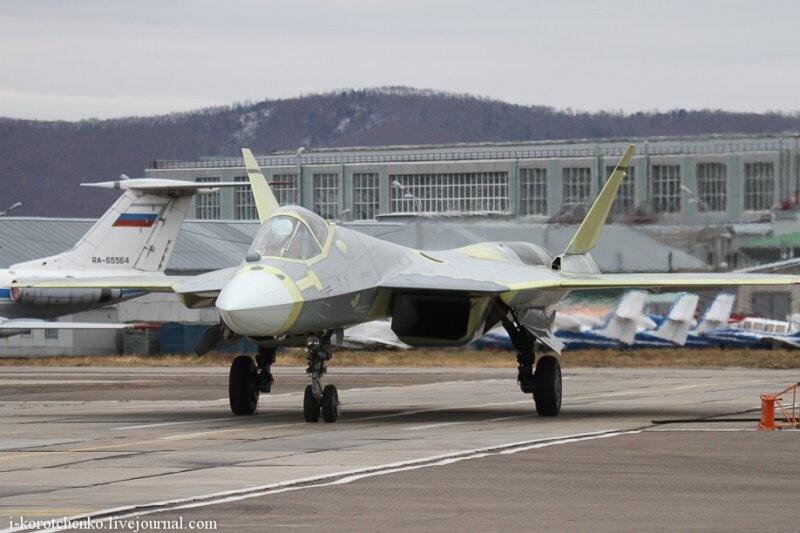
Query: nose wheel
317	400
327	405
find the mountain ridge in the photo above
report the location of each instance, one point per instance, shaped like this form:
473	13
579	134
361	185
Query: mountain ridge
54	156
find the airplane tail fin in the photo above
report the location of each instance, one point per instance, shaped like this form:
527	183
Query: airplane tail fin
675	327
137	232
266	202
589	231
718	313
622	323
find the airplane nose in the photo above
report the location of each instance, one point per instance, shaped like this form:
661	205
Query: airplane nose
257	303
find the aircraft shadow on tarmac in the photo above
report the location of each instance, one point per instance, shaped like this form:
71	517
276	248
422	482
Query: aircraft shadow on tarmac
268	416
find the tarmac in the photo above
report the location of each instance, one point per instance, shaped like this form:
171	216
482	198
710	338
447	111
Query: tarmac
415	449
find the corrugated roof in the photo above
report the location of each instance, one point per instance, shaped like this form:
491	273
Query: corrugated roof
210	245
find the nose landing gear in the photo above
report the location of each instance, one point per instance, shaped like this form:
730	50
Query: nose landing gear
316	399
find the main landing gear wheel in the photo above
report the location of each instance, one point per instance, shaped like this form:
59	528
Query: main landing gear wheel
311	406
330	404
243	386
547	386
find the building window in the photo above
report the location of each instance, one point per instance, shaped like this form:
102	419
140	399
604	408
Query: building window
712	186
576	186
326	195
285	187
626	195
366	201
666	188
51	334
759	186
533	191
244	205
465	192
207	205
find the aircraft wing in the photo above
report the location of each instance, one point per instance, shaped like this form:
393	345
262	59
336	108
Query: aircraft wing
32	323
426	282
656	281
195	291
143	283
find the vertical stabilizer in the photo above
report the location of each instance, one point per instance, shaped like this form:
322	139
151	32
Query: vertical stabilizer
675	327
623	322
266	202
588	232
138	231
717	314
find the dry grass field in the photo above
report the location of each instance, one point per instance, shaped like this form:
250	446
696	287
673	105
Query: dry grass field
709	358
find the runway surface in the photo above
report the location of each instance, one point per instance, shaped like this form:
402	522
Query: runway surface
418	449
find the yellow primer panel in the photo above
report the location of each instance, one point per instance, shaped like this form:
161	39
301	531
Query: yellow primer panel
482	251
380	306
310	280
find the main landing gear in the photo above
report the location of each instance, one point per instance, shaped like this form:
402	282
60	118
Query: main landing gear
544	382
316	399
248	378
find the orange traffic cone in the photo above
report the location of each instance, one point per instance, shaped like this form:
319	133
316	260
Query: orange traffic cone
767	412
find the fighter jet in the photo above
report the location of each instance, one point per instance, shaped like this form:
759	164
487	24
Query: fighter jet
135	236
305	279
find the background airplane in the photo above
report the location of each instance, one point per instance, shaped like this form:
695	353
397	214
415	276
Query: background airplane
136	236
305	279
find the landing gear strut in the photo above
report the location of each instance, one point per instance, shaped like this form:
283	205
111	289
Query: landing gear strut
545	382
264	361
249	378
316	399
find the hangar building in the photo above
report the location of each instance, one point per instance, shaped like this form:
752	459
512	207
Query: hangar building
713	202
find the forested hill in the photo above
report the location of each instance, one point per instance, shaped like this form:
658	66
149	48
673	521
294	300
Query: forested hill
41	163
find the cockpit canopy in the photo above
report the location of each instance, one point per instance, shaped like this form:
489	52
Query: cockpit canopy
291	233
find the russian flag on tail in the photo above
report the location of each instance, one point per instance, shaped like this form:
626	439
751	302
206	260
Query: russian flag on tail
136	220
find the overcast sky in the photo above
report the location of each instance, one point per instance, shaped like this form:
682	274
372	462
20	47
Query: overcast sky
78	59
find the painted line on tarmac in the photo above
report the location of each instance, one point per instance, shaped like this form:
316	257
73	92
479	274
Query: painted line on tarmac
337	478
439	425
176	423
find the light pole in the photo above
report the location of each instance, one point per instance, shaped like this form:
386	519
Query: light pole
407	194
9	209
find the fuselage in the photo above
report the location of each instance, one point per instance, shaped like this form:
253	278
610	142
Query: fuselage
271	297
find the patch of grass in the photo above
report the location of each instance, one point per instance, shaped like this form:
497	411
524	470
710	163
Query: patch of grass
661	358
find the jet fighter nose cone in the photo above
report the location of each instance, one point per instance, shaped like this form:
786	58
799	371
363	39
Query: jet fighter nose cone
258	304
